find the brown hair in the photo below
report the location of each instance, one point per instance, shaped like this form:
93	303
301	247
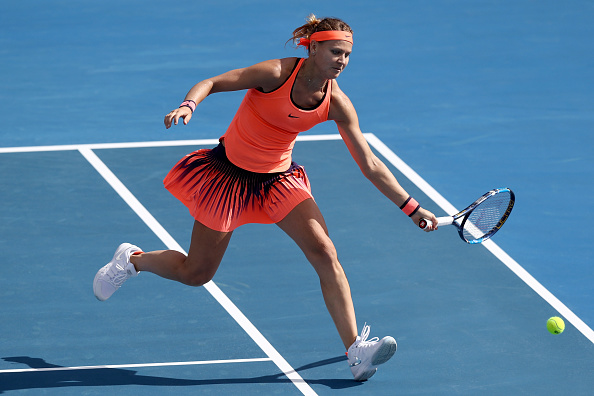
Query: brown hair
318	25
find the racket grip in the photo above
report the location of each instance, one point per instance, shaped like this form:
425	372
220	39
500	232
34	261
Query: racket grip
441	221
424	223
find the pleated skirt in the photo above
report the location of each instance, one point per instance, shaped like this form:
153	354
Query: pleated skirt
223	196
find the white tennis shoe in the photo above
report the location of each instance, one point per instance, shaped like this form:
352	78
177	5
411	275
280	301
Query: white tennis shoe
364	356
116	272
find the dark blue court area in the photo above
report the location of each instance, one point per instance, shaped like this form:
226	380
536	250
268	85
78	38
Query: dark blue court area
456	97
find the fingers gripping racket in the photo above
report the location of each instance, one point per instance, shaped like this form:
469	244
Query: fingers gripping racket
482	219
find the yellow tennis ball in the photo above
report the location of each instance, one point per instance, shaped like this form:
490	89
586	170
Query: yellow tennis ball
555	325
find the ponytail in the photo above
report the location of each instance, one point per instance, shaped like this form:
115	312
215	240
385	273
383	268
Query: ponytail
318	25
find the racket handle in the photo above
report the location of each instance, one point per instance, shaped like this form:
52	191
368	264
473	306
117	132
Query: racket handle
441	221
424	223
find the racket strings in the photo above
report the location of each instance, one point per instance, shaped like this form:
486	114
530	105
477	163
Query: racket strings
486	217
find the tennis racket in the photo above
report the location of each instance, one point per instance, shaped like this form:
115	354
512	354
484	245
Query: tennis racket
482	219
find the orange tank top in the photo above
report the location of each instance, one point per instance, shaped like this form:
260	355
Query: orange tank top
263	132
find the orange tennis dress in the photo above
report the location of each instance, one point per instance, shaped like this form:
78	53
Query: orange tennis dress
250	177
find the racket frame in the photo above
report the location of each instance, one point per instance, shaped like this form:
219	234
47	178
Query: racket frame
460	218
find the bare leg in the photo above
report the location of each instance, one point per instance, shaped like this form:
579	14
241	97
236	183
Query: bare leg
207	248
306	226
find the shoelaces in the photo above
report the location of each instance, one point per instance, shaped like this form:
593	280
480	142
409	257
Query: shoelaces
363	343
118	276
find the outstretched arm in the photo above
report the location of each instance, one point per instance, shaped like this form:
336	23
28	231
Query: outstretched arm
343	113
266	75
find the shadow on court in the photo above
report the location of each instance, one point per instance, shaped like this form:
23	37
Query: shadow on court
113	377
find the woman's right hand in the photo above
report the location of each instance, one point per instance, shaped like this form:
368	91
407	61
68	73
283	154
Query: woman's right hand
185	113
426	215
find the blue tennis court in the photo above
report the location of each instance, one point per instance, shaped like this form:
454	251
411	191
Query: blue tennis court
456	97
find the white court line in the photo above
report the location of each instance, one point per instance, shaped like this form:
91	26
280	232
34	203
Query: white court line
140	365
164	143
490	245
211	287
94	146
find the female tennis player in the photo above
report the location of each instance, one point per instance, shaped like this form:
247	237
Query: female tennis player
250	178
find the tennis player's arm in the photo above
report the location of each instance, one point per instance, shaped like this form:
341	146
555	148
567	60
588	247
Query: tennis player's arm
343	113
266	75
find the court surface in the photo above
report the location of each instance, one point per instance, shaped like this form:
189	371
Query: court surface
457	97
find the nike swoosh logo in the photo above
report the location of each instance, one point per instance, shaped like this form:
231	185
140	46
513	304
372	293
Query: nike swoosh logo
292	116
356	362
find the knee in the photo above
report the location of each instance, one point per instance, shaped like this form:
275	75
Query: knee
324	258
197	275
197	279
322	252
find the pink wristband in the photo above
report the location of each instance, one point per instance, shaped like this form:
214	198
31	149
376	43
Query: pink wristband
410	206
189	103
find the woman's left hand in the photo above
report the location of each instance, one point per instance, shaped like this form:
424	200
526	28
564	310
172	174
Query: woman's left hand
185	113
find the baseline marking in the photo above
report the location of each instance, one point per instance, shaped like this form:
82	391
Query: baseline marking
211	287
123	366
165	143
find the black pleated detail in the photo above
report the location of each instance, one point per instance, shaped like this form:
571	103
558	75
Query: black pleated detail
227	188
